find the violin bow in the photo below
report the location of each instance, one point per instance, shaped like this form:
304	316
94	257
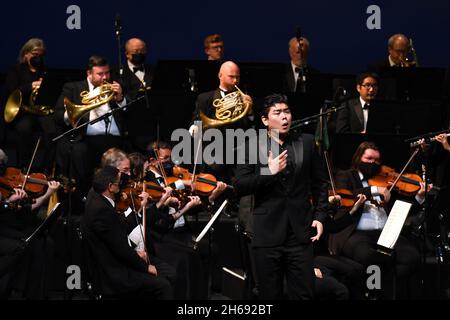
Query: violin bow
195	161
404	168
160	166
31	163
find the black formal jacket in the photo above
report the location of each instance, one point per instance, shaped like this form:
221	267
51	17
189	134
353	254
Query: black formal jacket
289	84
72	91
350	180
131	83
277	206
114	265
204	104
351	118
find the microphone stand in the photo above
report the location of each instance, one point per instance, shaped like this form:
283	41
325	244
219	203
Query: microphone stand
305	121
118	26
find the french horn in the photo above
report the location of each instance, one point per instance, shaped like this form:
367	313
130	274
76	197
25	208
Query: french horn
15	103
229	109
89	101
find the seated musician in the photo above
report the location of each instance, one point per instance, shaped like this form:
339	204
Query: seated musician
358	240
91	141
115	267
22	268
180	238
138	236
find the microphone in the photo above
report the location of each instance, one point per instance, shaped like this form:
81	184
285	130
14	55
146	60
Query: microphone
192	82
118	24
298	34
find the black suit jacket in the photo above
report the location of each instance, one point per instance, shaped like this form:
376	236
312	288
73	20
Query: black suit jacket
277	206
131	83
114	265
204	104
290	84
72	91
351	118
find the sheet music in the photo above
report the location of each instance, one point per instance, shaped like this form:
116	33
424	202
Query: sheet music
394	224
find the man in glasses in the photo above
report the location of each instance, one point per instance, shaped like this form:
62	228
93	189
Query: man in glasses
214	47
354	117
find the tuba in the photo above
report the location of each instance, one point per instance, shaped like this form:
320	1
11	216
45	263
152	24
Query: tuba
15	103
229	109
90	101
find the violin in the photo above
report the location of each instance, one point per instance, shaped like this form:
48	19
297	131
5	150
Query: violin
407	183
205	183
347	197
129	196
34	184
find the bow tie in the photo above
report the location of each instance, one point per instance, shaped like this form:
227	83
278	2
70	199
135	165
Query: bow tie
366	106
297	69
136	69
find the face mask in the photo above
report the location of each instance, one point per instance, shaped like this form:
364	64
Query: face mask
138	59
369	169
37	62
124	178
168	168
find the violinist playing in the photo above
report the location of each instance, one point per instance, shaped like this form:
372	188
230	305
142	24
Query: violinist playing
358	240
22	268
175	243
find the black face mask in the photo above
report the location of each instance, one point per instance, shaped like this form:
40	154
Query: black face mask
37	62
369	169
138	59
168	168
124	178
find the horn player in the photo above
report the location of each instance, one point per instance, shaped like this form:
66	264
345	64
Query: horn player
91	141
26	76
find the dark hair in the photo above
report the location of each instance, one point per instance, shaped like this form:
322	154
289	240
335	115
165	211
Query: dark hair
360	77
156	145
270	101
96	61
137	161
356	160
103	177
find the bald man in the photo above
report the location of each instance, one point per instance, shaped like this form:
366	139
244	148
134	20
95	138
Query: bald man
298	70
137	75
229	77
398	49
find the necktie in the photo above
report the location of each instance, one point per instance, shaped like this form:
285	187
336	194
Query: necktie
136	69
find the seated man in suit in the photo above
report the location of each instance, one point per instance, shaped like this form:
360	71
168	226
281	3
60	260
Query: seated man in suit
119	270
398	47
137	75
91	141
298	69
355	116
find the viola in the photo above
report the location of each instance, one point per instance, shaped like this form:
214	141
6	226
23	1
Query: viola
408	183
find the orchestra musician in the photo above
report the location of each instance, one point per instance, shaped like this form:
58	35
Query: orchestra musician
90	142
27	76
358	240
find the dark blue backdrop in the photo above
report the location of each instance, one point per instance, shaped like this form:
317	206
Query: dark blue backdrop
252	30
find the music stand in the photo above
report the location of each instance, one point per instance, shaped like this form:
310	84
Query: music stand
45	225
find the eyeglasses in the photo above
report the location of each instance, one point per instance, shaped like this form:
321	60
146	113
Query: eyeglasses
370	85
218	47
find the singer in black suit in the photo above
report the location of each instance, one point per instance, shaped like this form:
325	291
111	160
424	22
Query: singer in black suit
92	140
355	116
114	265
283	214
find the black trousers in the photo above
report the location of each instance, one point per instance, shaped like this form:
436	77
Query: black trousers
292	260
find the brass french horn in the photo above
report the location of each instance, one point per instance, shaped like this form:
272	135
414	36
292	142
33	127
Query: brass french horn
15	103
90	101
229	109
